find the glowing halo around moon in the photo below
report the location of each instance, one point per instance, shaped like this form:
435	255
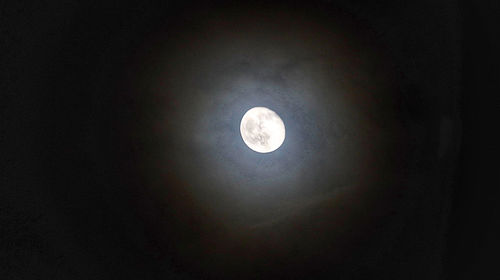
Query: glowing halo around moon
262	130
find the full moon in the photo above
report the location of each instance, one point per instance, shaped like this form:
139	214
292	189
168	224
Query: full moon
262	130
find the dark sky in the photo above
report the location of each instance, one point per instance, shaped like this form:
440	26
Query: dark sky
124	158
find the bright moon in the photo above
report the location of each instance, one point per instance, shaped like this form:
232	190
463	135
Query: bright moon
262	130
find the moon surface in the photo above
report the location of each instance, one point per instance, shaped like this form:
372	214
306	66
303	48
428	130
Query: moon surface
262	130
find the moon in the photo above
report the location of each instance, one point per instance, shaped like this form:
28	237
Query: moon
262	130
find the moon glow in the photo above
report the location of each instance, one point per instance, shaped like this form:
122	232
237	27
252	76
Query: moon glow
262	130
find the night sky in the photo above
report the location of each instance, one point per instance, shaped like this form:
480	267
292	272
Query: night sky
124	158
